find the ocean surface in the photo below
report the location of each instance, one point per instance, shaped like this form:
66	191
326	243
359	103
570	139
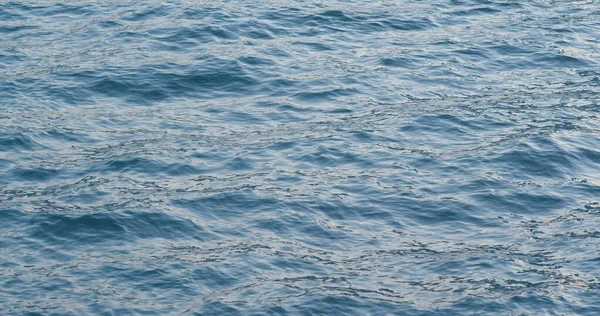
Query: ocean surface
320	157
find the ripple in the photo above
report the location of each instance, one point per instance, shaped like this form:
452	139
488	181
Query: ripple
18	142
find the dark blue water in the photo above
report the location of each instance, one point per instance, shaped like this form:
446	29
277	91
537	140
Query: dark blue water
300	157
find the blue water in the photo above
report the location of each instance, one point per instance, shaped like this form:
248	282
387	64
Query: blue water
321	157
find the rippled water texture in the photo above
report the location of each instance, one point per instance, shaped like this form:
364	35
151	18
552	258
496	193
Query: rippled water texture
285	157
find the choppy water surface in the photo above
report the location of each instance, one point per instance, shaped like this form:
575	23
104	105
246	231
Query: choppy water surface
315	157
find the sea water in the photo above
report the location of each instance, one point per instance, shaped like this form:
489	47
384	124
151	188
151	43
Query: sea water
320	157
